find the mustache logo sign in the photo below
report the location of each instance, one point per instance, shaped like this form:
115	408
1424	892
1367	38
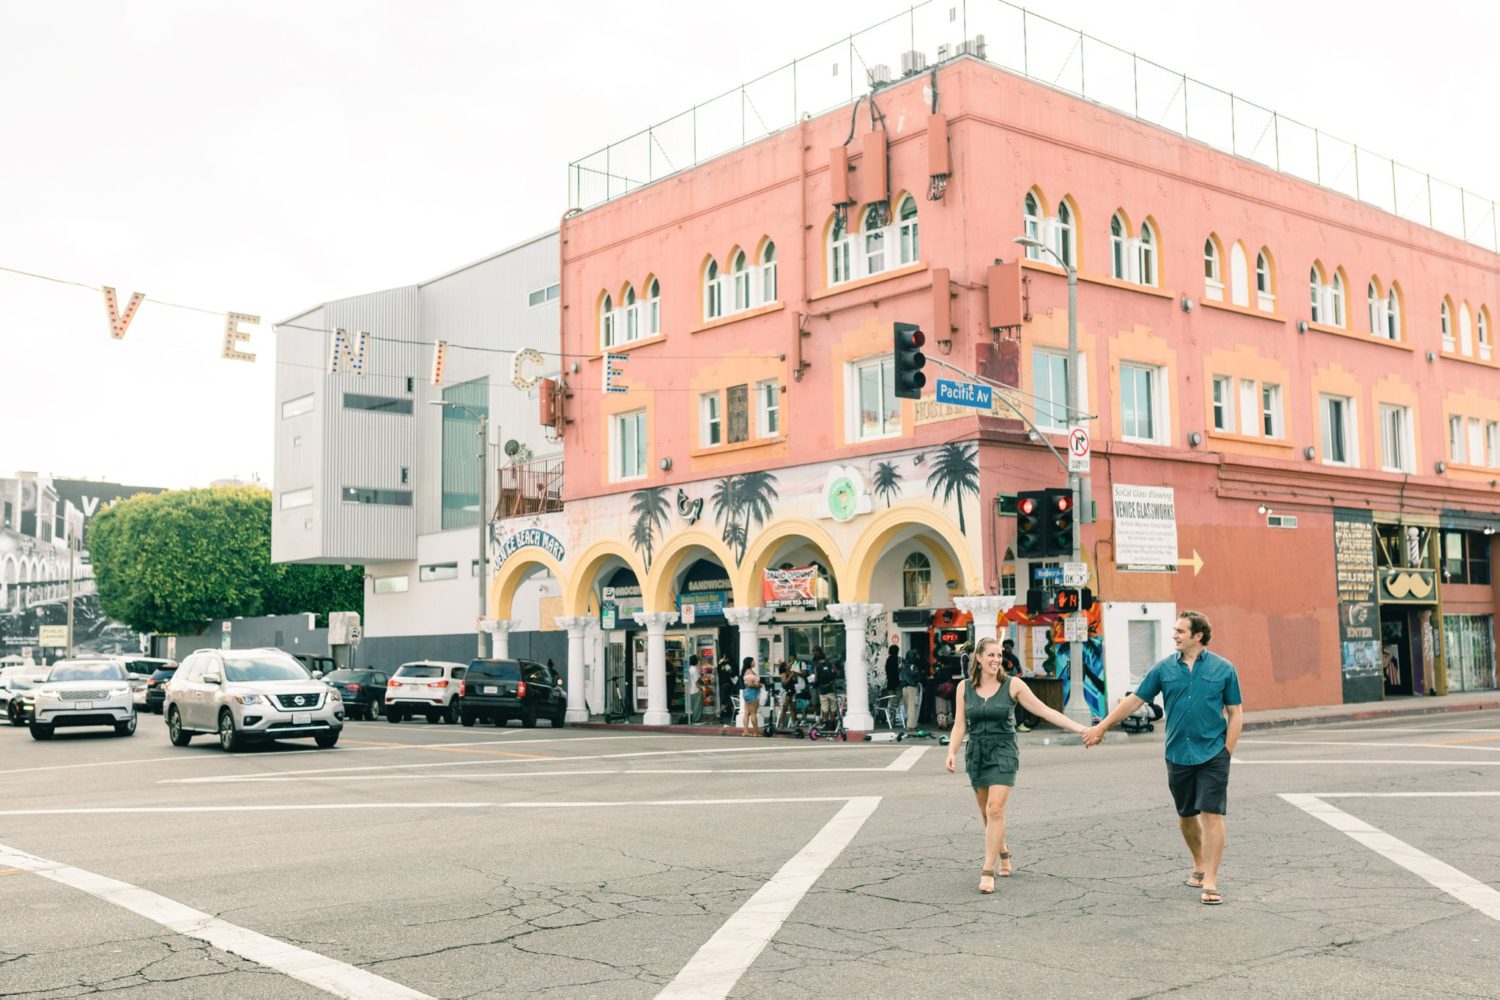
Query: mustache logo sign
1404	584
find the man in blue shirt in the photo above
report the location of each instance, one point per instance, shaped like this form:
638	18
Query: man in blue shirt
1204	716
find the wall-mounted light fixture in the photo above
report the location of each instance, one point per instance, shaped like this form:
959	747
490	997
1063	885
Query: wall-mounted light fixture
1440	466
1187	304
1489	529
1302	326
1262	509
1309	453
666	464
945	347
1194	439
1431	357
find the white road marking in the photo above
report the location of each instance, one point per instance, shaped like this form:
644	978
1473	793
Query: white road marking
338	806
907	759
1405	795
316	970
723	959
1466	890
1354	728
1368	745
430	765
1331	761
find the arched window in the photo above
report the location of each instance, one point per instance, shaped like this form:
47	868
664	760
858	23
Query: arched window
1265	282
1336	314
607	322
874	241
653	308
740	268
1445	323
1376	302
768	273
1239	275
713	292
1066	247
840	255
1315	287
1148	254
632	316
1484	334
906	221
1393	314
1117	247
1213	281
916	581
1465	331
1031	211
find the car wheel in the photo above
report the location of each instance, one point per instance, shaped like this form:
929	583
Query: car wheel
126	728
393	716
40	732
179	736
467	719
326	740
15	716
373	712
453	714
433	718
529	719
229	740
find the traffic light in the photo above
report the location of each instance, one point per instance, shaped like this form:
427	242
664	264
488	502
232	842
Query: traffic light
1057	527
910	361
1031	535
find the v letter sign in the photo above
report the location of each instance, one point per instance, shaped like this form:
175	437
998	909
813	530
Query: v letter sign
119	324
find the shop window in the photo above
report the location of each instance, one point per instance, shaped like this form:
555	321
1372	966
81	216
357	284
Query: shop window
916	581
1466	557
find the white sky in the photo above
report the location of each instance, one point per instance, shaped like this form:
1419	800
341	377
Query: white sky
265	156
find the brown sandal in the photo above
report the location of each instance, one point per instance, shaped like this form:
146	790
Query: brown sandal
1195	880
1004	857
986	873
1211	897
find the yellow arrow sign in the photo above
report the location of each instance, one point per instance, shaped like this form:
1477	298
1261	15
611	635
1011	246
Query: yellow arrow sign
1196	562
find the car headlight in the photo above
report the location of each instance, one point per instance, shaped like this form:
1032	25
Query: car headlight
247	699
334	695
45	695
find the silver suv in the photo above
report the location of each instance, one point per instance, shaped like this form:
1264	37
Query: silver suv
82	693
247	695
425	687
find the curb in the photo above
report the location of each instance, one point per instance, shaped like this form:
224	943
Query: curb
1365	715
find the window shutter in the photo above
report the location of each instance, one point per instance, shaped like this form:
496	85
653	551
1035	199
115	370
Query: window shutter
739	413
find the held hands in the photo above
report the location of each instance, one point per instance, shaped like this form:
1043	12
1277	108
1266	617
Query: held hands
1092	736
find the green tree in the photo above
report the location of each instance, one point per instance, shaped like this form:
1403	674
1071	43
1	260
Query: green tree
954	473
171	562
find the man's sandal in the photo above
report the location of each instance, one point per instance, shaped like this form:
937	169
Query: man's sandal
1211	897
986	873
1194	880
1004	857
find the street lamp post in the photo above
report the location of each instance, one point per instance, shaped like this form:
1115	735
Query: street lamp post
483	517
1077	708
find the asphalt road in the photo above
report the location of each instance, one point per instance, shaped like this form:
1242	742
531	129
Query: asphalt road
417	860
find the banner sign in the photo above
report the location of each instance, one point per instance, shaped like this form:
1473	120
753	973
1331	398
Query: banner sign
544	540
1145	528
790	588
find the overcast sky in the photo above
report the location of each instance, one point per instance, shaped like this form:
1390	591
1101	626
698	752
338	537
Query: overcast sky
265	156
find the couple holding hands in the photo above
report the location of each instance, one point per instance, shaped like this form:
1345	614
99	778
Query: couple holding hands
1204	716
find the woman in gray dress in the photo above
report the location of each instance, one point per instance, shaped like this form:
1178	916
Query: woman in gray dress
986	702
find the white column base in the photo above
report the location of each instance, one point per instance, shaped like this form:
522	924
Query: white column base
576	715
657	718
859	721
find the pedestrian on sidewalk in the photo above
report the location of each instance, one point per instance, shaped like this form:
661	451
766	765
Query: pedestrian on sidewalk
1204	716
893	670
911	689
986	701
750	677
728	681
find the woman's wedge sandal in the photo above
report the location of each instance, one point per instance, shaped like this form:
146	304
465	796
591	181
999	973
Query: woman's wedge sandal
1194	880
1005	870
984	874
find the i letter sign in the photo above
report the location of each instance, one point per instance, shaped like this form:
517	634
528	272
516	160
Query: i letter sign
1078	450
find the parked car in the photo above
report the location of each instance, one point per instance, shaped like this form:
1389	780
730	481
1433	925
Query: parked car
16	685
156	686
501	690
363	691
249	695
138	684
425	687
82	693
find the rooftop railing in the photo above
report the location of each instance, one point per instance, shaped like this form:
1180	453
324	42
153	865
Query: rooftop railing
1043	50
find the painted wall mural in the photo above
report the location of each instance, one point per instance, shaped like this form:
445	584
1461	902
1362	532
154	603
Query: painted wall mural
955	474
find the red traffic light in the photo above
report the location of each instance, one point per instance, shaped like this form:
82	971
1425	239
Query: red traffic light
1026	505
916	338
1063	503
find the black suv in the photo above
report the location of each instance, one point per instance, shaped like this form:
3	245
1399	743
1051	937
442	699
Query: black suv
156	686
501	690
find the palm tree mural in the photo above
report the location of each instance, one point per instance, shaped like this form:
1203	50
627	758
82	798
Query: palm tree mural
650	508
739	500
954	473
887	481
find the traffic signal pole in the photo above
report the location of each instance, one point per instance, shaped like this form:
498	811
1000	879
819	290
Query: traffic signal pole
1077	707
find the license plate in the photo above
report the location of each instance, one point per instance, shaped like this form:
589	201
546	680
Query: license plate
491	689
83	705
301	718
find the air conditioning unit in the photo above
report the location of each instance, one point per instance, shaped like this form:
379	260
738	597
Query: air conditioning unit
880	75
972	47
913	62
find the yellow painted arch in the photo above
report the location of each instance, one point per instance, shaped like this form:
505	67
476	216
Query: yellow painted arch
877	534
581	584
758	555
513	572
656	590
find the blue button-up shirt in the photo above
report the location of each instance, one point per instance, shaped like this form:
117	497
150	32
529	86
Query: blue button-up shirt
1195	701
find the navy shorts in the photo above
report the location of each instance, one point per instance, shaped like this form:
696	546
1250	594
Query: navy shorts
1200	788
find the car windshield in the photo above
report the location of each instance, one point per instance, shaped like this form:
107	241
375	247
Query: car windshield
86	672
247	668
344	675
418	670
501	670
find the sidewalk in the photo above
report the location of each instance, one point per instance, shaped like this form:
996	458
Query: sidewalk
1272	718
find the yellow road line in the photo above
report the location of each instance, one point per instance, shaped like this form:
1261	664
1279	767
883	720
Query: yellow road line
10	871
1463	740
487	753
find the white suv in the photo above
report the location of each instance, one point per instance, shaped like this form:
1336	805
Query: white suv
424	687
82	693
246	695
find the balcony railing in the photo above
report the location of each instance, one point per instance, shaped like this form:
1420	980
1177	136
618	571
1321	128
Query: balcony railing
529	488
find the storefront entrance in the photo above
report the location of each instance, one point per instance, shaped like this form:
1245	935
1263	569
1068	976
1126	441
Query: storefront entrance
1408	650
1470	644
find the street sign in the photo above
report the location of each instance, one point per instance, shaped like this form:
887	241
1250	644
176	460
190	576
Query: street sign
689	613
1075	574
52	635
1078	450
609	615
970	394
1048	574
355	634
1145	528
1076	628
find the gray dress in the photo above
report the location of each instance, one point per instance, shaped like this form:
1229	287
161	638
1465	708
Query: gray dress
991	757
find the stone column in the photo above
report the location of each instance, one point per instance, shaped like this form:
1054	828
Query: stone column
985	610
655	623
748	621
577	709
856	675
499	629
